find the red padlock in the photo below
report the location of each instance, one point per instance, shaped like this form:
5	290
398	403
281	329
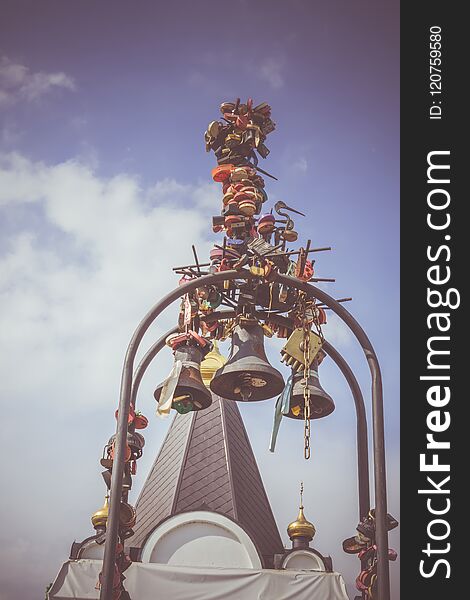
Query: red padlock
241	122
221	173
224	265
321	316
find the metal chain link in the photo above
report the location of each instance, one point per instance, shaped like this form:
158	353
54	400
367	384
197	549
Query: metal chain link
306	388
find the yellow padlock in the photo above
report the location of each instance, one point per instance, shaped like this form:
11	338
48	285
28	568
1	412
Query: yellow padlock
292	354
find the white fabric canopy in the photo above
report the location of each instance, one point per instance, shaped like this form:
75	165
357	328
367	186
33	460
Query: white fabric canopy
77	579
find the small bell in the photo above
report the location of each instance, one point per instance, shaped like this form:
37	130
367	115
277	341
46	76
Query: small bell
321	403
184	389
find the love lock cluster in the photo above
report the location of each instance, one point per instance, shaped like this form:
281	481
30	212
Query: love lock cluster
260	306
127	513
363	544
243	130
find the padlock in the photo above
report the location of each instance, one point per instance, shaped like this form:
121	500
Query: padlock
289	235
261	268
213	129
227	197
268	126
263	150
247	207
202	293
292	354
283	293
234	221
227	107
304	272
232	140
222	172
231	208
242	121
266	224
230	117
257	132
238	174
262	108
258	181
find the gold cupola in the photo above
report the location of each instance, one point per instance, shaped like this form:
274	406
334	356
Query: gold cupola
301	528
100	517
211	363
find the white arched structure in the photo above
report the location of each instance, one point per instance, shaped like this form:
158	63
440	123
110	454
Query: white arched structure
201	539
92	550
303	560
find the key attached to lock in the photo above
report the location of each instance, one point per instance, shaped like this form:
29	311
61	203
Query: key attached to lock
292	354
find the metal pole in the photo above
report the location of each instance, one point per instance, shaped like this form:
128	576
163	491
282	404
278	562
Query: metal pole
361	420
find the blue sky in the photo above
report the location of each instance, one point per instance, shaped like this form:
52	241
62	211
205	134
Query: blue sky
104	185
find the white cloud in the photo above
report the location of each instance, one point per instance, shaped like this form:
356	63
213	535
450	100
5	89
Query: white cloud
100	256
18	83
271	71
300	165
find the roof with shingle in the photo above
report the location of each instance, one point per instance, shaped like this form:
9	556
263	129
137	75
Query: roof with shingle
206	462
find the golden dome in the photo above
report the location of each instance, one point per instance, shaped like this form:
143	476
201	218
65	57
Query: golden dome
100	517
301	527
213	361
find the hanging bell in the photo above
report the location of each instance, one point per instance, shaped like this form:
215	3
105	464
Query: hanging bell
321	403
188	392
247	375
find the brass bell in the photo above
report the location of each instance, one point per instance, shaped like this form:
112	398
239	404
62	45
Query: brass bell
247	375
190	392
321	403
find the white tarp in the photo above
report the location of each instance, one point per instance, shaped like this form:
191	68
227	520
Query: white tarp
77	579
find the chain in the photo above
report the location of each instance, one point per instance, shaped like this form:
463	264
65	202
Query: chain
306	390
316	320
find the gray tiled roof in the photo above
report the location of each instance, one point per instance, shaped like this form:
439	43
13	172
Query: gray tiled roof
206	462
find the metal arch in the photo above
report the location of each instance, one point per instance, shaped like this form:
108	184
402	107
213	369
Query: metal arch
380	475
123	414
361	420
124	404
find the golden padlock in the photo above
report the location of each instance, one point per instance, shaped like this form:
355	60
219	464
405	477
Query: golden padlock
257	270
292	354
268	332
213	129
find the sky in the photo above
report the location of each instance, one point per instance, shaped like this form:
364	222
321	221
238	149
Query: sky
104	186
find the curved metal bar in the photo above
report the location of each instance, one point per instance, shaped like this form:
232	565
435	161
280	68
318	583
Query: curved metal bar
380	476
145	362
361	429
123	414
361	420
124	403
